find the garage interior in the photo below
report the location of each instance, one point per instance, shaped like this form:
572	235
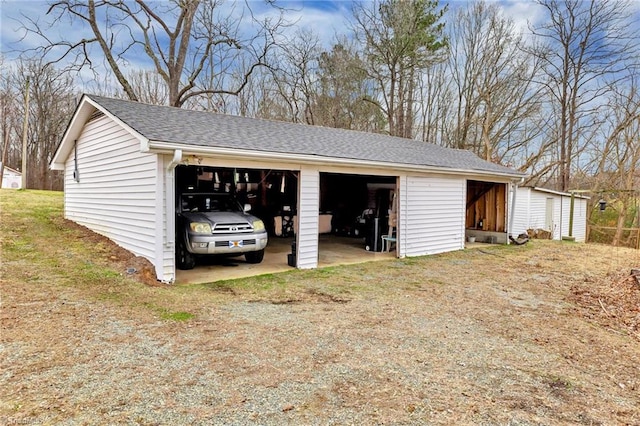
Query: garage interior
354	217
486	216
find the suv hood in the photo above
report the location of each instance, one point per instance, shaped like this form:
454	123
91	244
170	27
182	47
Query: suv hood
220	217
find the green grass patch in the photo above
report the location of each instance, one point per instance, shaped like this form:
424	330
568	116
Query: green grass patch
177	316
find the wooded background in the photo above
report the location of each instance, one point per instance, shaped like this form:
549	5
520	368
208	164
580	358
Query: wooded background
558	100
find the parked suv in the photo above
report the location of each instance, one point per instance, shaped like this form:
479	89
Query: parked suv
215	223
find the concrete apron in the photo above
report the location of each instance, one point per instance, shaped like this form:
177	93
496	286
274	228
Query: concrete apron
333	251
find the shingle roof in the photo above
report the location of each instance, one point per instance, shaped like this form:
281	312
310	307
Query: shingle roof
206	129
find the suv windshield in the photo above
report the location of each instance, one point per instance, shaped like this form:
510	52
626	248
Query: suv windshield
209	203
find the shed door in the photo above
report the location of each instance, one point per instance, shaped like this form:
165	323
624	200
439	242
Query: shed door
548	214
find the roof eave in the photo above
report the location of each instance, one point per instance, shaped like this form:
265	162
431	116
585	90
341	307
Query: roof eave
162	147
84	110
564	194
78	119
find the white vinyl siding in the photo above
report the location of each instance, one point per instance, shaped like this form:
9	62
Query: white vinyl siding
580	219
116	194
433	218
537	210
402	216
534	207
521	211
308	208
557	218
565	209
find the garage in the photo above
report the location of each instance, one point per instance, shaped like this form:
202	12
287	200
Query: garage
333	192
354	217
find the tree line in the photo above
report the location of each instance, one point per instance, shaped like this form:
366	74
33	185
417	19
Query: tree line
558	100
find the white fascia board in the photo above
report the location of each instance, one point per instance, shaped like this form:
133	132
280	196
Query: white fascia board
78	119
563	194
84	110
168	148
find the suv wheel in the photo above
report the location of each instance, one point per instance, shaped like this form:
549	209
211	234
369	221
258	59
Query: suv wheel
184	259
254	256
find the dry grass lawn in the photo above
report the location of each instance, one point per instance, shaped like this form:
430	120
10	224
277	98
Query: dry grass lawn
545	333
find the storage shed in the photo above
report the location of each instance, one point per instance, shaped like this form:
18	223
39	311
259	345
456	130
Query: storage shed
121	161
539	208
11	178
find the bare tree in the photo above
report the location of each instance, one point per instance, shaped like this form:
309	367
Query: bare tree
51	103
437	105
187	42
587	43
400	39
149	87
618	162
294	75
497	103
8	118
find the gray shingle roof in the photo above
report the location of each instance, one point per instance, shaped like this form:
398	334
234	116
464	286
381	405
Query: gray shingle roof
206	129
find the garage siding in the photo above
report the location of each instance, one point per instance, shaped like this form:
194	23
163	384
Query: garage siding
116	194
580	219
402	216
308	208
565	208
537	210
433	219
534	205
521	211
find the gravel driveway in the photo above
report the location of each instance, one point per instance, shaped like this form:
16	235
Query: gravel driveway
495	337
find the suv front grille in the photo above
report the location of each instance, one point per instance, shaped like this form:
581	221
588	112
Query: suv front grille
229	228
244	243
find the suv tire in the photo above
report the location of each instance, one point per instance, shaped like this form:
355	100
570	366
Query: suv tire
254	256
184	259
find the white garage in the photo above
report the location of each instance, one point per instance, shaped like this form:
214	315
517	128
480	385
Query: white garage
120	159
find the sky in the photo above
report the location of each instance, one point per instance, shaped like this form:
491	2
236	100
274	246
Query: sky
326	18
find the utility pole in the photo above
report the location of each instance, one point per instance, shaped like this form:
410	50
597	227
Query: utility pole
25	127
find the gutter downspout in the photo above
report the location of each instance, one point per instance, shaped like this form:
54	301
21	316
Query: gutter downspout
512	213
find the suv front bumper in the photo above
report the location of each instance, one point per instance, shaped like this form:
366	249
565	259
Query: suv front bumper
226	244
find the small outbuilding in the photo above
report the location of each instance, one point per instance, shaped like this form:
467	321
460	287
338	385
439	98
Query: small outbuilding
125	162
548	210
11	179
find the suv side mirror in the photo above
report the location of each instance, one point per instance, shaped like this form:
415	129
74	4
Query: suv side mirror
247	207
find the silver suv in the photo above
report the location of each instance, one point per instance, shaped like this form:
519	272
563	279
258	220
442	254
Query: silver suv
211	223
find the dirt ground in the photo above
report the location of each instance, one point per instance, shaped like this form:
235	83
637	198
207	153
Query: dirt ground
546	333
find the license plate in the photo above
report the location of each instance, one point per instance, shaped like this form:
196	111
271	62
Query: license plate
234	244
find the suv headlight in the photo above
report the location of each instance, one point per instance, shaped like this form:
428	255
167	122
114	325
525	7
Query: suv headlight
258	225
200	227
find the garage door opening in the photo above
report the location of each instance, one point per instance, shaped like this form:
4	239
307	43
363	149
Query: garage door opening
486	217
234	209
357	217
356	221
